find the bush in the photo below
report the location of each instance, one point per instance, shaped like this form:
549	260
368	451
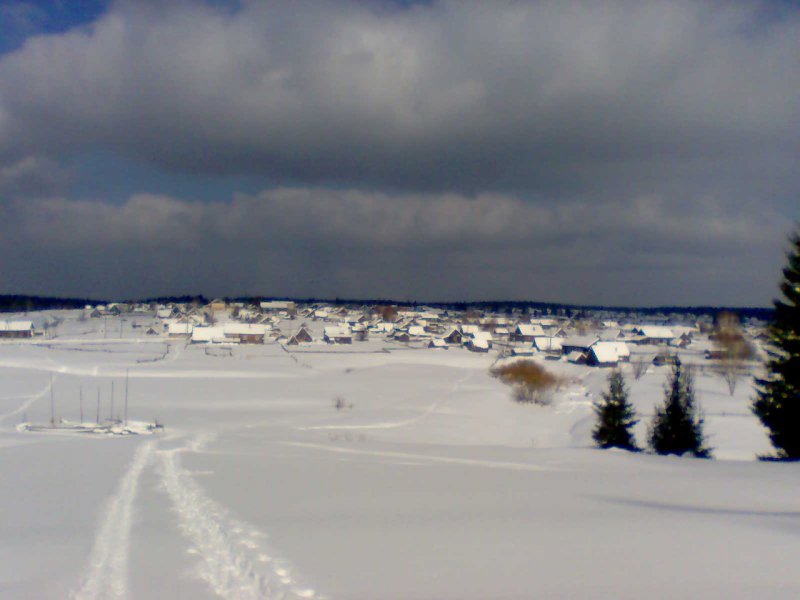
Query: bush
615	416
530	381
677	426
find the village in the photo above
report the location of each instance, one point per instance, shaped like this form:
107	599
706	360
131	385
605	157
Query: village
599	339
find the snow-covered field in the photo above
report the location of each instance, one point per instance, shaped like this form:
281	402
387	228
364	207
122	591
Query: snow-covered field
428	483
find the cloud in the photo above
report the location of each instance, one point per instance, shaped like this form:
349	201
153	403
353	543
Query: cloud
447	95
611	152
319	242
33	176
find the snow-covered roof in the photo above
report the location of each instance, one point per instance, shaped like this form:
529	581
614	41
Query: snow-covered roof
546	343
529	329
580	341
16	325
337	331
610	352
481	342
245	329
575	356
656	332
209	334
179	328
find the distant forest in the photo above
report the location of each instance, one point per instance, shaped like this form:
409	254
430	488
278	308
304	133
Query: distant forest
22	303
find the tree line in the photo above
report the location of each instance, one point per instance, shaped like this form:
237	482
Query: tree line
677	427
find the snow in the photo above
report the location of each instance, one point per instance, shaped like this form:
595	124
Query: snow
427	481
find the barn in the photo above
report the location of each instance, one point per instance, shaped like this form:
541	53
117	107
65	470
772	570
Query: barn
16	329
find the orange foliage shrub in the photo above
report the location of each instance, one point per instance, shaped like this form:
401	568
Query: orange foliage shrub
531	381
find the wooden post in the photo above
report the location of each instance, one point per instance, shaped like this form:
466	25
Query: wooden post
126	397
52	405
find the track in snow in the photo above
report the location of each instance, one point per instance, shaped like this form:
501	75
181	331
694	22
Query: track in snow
420	458
233	562
432	408
107	572
27	403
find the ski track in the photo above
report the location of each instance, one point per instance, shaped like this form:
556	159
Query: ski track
27	403
107	572
430	458
432	408
233	563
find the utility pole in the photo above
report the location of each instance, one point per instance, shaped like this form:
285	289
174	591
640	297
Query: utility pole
52	405
97	417
112	400
126	397
81	402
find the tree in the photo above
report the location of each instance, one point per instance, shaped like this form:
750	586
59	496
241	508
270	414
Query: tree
733	348
777	403
677	426
615	416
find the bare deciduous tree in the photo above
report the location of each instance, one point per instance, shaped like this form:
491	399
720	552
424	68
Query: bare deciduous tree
734	350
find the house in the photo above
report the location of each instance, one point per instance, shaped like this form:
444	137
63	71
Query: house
608	354
208	335
277	305
245	333
480	342
548	344
16	329
577	357
526	332
417	331
303	336
470	330
654	334
337	335
454	336
179	330
523	351
401	336
438	343
580	343
165	313
217	305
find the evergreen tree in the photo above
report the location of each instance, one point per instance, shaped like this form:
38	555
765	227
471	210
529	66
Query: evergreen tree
677	427
615	416
778	401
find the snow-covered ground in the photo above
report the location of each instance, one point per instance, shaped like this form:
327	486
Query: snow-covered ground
427	482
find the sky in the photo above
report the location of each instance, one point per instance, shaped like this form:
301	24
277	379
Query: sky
620	153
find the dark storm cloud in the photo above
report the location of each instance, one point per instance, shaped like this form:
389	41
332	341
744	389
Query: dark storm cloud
447	95
312	242
618	152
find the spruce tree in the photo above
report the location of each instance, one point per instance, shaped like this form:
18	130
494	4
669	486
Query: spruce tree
777	403
677	427
615	416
